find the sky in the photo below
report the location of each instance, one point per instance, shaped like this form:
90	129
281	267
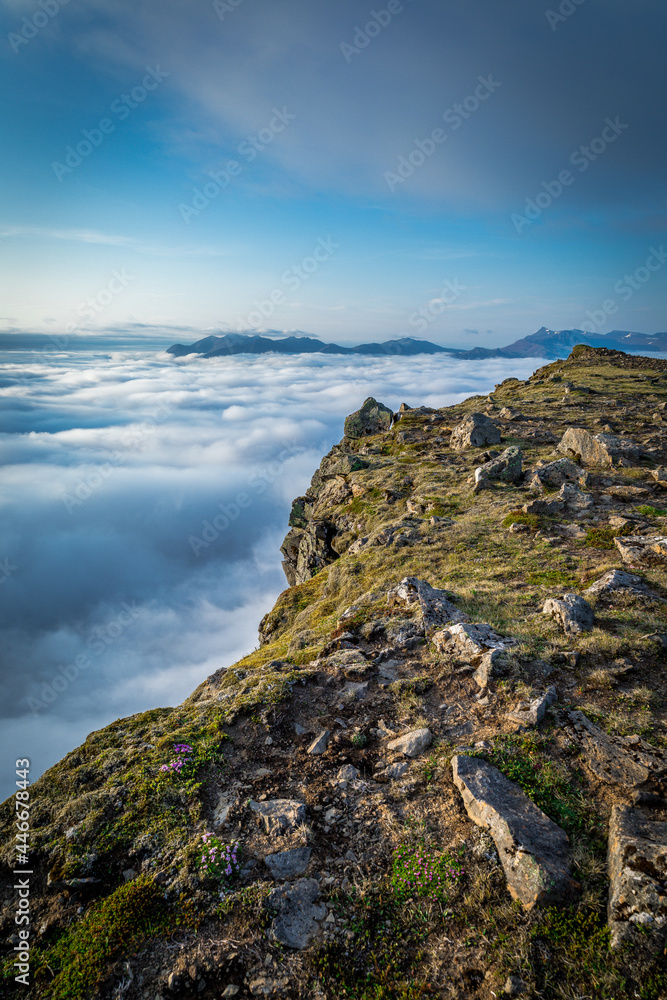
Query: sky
331	168
143	502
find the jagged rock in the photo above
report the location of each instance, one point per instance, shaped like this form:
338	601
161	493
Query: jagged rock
573	613
307	551
660	475
569	500
626	761
371	418
320	743
598	449
532	849
288	864
638	875
471	641
487	668
533	714
642	550
222	809
617	579
434	605
298	913
396	770
355	691
507	467
508	413
474	431
411	744
279	815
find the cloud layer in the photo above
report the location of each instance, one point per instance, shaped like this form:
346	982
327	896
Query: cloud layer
143	504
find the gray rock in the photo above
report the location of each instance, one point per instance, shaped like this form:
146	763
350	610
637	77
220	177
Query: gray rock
396	770
411	744
267	986
355	691
535	712
320	742
625	761
299	729
554	474
569	500
642	550
617	579
514	986
532	849
573	613
371	418
474	431
599	449
507	468
471	641
487	668
435	606
288	864
230	991
638	877
299	915
660	475
222	809
279	815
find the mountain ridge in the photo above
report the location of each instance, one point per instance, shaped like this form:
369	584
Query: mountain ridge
544	343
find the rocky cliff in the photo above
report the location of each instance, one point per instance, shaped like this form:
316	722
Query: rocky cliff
443	773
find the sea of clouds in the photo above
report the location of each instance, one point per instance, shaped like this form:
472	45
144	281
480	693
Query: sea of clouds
143	504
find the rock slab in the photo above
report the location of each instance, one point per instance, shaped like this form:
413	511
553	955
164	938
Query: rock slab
533	850
411	744
435	605
572	612
507	468
288	864
298	914
642	550
279	815
637	862
598	449
474	431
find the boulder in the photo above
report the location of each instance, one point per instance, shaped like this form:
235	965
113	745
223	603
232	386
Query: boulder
660	475
371	418
598	449
507	467
554	474
487	668
642	550
624	761
532	849
298	914
435	606
279	816
637	861
474	431
617	579
411	744
535	711
470	641
573	613
569	500
288	864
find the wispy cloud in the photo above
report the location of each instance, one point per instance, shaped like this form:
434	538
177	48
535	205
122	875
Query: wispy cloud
93	236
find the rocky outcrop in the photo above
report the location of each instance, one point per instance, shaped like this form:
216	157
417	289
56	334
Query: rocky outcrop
572	612
534	711
371	418
411	744
279	816
532	849
642	550
470	642
298	914
638	875
617	579
433	606
627	762
507	468
474	431
598	449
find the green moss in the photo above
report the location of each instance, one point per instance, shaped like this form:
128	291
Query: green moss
518	517
551	578
648	511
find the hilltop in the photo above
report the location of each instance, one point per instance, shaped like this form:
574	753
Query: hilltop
441	773
543	344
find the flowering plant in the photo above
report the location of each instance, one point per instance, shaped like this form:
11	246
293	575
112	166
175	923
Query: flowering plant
418	871
222	861
182	757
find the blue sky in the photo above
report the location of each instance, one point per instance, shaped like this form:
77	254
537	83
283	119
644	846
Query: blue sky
339	96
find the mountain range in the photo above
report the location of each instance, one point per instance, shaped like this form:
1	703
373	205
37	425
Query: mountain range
552	344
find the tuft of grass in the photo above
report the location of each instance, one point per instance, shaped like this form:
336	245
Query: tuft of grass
648	511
